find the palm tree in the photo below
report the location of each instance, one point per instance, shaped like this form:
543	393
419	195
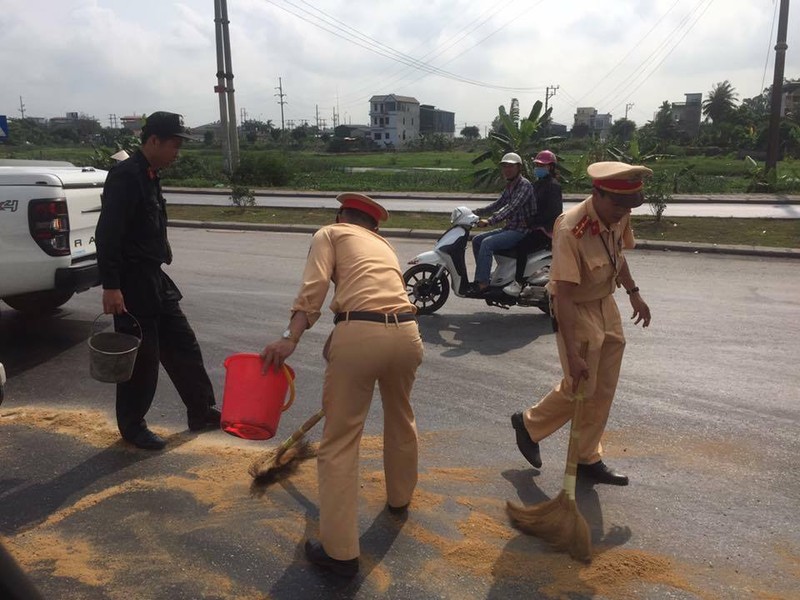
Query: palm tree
720	103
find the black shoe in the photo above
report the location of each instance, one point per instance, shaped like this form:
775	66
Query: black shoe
528	448
316	555
474	290
209	421
398	511
600	473
147	440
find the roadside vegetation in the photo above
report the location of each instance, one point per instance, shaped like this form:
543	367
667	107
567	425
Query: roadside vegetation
776	233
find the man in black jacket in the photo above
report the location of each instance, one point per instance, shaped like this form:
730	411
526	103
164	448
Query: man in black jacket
549	204
131	247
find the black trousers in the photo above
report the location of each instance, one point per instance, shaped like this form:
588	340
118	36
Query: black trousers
168	339
535	240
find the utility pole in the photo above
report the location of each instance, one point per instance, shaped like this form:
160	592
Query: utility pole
773	139
233	131
316	108
21	108
335	118
281	101
628	106
548	95
243	115
224	133
112	121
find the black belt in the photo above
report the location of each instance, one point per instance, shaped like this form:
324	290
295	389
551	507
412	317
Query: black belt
376	317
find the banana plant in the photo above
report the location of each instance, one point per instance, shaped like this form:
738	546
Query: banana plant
520	136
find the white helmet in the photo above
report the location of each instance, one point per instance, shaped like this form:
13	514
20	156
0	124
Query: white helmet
512	158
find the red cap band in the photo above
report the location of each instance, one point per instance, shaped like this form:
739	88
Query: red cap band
372	210
619	186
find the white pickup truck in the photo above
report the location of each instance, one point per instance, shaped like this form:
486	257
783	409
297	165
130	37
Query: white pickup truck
48	214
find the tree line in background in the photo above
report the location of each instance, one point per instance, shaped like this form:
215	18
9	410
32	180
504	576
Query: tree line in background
730	129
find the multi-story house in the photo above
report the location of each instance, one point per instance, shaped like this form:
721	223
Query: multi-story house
598	124
394	120
687	114
434	121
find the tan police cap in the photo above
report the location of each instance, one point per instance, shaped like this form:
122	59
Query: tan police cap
620	179
363	203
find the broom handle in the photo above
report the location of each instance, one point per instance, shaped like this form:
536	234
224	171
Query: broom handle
571	471
304	428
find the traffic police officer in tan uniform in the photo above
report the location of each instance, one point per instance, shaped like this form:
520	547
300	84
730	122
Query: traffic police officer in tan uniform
375	339
588	265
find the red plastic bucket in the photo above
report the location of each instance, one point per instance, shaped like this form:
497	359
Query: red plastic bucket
253	401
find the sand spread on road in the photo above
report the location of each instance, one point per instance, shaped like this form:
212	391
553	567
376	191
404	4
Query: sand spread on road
473	538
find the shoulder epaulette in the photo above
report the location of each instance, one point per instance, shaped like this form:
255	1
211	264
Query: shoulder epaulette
580	228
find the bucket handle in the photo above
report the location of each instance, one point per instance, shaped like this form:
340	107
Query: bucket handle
290	380
135	320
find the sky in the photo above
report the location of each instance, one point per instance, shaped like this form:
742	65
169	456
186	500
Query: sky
117	57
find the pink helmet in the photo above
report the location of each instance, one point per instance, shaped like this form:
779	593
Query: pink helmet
545	157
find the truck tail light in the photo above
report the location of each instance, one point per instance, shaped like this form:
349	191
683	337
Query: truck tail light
49	225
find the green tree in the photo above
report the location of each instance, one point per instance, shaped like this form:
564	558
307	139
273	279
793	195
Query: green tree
720	103
523	136
471	132
622	130
664	126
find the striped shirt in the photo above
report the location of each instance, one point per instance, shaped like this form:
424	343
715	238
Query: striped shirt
516	206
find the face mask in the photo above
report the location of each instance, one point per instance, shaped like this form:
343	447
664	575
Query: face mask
540	172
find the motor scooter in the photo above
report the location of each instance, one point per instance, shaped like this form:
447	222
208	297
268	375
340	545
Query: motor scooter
435	272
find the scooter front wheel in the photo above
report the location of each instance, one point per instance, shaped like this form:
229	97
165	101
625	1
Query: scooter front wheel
426	291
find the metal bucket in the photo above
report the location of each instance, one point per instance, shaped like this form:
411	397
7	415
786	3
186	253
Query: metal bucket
112	355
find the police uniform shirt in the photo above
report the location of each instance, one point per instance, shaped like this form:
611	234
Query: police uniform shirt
587	252
362	265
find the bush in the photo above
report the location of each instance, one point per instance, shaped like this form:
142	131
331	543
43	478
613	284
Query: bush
263	168
242	197
191	166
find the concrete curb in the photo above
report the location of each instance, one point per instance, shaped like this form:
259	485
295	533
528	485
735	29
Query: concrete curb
676	198
736	250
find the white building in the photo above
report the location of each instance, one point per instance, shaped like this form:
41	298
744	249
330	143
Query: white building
394	120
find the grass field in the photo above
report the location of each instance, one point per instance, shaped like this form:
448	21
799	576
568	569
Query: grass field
420	171
778	233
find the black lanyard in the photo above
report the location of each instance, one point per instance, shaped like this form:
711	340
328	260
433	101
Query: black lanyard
611	257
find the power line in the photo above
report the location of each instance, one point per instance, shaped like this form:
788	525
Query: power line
403	71
769	46
386	51
677	43
636	45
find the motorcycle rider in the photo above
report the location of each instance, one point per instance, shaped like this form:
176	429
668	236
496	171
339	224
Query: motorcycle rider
516	206
549	204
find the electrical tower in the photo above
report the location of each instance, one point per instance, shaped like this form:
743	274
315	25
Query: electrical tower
548	94
628	106
281	100
21	108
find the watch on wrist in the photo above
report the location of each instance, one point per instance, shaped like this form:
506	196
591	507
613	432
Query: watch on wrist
632	291
287	335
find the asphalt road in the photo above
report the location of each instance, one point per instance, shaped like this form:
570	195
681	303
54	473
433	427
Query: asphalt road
705	424
777	210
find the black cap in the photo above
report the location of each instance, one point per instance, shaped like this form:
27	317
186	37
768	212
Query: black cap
164	125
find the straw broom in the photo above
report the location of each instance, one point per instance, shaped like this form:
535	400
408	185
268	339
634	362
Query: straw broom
558	521
281	462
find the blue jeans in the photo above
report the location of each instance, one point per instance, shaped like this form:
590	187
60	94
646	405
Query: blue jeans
485	245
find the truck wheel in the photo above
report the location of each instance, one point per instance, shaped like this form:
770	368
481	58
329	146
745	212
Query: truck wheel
426	292
38	302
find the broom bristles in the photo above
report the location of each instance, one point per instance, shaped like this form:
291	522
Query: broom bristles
557	522
275	465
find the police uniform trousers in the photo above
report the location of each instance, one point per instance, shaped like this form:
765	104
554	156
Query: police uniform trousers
360	354
599	323
168	339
